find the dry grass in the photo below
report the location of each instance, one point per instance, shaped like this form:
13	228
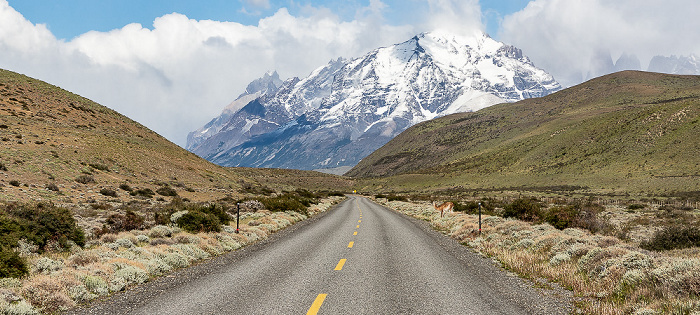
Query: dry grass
607	275
60	281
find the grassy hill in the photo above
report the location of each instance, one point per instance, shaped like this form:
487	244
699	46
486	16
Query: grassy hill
58	146
628	132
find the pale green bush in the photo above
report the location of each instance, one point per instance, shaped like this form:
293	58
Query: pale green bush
80	294
158	266
18	308
192	251
131	275
160	231
124	242
559	258
96	284
143	238
46	265
176	260
117	284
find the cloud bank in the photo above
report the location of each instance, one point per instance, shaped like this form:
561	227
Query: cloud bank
569	38
177	74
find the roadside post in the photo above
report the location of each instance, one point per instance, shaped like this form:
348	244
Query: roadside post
238	215
479	218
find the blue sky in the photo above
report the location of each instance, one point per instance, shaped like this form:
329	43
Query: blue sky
173	65
67	19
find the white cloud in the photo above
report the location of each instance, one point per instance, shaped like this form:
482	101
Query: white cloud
563	36
180	74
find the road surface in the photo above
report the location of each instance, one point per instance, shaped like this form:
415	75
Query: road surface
358	258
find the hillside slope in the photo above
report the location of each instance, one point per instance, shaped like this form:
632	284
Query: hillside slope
51	137
628	131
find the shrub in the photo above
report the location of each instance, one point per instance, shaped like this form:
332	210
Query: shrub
636	206
561	217
125	187
216	210
39	224
11	265
100	167
673	237
470	207
166	191
526	209
3	167
52	187
196	221
396	198
108	192
15	183
144	192
122	222
85	179
286	202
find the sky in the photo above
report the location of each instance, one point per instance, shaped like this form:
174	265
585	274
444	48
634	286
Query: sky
173	65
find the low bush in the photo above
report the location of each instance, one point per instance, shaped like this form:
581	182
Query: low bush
52	187
286	202
15	183
11	264
39	224
526	209
471	207
143	192
396	198
126	187
216	210
561	217
122	222
636	206
108	192
166	191
85	179
99	167
673	237
196	221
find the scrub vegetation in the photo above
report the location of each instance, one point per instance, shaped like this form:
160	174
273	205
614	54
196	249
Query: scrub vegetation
607	274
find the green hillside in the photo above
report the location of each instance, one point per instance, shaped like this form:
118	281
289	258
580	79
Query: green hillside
626	132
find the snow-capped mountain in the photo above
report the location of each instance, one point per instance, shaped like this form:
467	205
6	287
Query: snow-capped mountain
267	84
347	109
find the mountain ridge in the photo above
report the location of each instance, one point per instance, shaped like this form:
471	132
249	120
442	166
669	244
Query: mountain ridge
351	107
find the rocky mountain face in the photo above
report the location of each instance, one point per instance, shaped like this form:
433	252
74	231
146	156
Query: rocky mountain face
675	64
346	109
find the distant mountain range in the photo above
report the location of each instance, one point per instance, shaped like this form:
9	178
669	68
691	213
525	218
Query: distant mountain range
602	64
346	109
629	131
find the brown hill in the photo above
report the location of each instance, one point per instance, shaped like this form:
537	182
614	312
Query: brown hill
58	146
625	132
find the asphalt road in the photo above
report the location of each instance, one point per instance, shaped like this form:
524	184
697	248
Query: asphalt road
358	258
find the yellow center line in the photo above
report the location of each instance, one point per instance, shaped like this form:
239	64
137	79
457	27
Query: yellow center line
358	226
313	310
354	233
340	264
358	221
350	244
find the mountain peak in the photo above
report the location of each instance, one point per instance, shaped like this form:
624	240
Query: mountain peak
352	107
